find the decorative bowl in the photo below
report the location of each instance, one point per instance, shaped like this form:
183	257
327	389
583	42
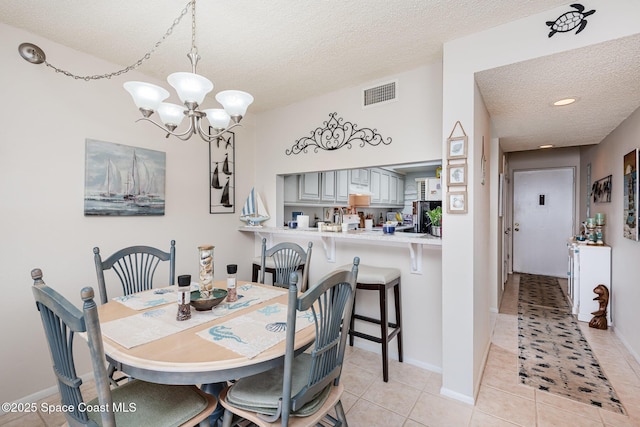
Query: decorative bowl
388	229
204	304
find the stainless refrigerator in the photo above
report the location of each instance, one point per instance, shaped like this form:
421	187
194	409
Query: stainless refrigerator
421	221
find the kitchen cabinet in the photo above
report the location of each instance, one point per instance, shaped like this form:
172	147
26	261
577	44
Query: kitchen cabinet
333	187
375	186
589	266
309	186
360	177
328	186
342	186
384	187
400	190
387	188
290	189
393	189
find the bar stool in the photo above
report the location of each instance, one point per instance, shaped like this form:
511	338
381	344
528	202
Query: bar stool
379	279
270	267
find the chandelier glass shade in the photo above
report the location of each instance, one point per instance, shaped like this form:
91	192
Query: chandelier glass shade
191	89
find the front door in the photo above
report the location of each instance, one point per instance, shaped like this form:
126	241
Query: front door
543	203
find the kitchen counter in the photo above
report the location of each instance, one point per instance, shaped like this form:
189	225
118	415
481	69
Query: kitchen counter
415	242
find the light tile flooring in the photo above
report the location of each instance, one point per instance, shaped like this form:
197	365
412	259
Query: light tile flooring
411	397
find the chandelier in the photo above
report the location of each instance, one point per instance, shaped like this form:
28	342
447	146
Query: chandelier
191	89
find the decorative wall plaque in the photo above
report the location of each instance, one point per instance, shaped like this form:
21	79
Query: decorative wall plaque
222	178
335	135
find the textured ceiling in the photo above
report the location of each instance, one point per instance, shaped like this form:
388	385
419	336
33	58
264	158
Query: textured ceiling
605	79
283	51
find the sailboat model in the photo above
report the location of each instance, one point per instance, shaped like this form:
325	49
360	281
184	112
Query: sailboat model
253	211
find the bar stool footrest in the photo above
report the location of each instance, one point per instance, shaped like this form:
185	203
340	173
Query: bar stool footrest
372	320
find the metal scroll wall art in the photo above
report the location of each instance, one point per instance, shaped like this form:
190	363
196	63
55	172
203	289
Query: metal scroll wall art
570	20
222	178
335	135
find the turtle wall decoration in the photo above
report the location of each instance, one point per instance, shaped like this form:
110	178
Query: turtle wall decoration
570	20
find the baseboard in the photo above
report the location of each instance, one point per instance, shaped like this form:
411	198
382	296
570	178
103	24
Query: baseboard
457	396
627	346
376	348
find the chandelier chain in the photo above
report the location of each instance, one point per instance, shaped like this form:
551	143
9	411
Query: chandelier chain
193	26
140	61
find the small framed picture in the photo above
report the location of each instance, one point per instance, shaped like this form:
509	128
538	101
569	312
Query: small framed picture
457	147
457	202
457	175
327	214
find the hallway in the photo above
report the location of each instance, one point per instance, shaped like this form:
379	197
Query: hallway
412	399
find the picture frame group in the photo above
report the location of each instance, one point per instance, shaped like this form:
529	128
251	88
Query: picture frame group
457	173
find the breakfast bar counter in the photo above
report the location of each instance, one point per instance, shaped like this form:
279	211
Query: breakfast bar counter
415	242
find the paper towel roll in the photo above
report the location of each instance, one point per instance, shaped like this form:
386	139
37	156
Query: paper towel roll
303	221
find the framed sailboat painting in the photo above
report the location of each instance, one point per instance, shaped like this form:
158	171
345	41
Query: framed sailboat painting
222	174
121	180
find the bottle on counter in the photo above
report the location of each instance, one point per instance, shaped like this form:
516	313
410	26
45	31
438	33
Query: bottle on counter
184	297
232	294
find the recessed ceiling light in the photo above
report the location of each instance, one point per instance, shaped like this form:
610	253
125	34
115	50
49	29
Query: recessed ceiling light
546	146
565	101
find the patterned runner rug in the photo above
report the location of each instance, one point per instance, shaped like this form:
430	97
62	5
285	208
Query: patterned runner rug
554	356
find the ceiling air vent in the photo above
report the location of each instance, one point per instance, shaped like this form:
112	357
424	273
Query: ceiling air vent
380	94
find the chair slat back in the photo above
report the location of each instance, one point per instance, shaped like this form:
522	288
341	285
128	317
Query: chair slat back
287	258
135	266
331	303
61	321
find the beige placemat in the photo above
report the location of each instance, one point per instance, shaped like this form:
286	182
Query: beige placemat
161	322
152	298
255	332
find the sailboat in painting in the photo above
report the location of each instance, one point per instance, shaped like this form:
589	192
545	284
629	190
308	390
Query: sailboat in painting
215	181
112	185
253	211
224	199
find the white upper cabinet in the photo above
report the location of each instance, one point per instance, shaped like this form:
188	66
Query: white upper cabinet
342	186
328	186
309	186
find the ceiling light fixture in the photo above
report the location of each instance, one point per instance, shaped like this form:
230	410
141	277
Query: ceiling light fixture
546	146
565	101
191	89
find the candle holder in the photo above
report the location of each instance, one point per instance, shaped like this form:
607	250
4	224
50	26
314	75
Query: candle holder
591	232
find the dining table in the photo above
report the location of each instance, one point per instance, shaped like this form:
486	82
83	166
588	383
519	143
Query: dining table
143	339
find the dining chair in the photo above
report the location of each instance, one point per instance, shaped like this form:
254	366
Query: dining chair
134	403
283	259
307	389
135	266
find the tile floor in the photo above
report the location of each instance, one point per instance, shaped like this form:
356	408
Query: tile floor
411	397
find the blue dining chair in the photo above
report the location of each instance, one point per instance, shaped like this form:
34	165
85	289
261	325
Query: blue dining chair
307	389
133	404
283	259
135	266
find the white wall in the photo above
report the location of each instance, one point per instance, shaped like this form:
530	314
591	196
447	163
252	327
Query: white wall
46	118
606	159
414	124
506	44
